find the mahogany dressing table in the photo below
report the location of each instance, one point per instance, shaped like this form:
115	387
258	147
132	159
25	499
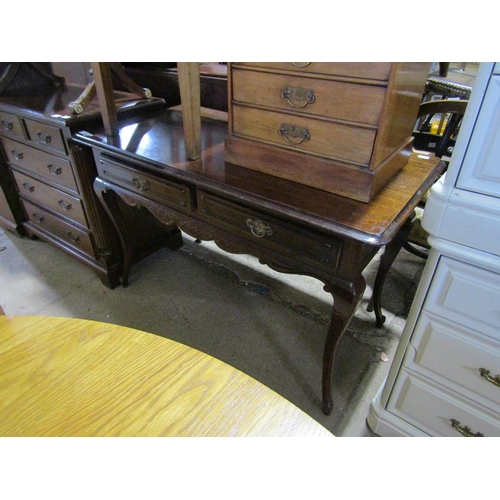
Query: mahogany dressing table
290	227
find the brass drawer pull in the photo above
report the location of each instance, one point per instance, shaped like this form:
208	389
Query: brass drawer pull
54	169
28	187
72	237
141	183
16	154
6	125
65	205
258	228
38	218
44	137
301	64
486	374
464	430
298	97
292	132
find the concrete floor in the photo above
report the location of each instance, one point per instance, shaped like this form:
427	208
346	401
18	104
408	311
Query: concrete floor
269	325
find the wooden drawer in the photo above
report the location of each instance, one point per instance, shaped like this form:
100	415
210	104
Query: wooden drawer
432	408
337	141
464	294
71	235
316	97
167	192
54	199
45	136
11	125
369	70
466	353
53	168
270	232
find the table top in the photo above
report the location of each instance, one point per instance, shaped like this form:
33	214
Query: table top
73	377
155	144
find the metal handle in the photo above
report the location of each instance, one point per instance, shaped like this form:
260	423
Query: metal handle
465	430
72	237
6	125
296	96
141	183
65	205
301	64
258	228
54	169
38	218
28	187
16	154
486	374
290	132
44	137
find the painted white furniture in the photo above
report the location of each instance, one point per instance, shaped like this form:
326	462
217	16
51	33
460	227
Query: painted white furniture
445	378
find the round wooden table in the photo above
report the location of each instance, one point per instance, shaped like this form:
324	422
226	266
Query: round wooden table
72	377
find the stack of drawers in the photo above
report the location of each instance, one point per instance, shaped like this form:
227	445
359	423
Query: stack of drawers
449	383
345	128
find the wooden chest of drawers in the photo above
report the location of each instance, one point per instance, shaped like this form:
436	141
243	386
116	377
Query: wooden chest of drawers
53	179
345	128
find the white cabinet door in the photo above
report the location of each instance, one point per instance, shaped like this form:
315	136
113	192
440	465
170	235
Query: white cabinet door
481	168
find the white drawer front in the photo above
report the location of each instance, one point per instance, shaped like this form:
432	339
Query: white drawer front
457	354
432	408
467	295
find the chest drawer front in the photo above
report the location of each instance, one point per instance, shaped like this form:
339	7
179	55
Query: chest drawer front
368	70
316	97
269	232
332	140
457	354
467	295
71	235
54	169
11	125
62	203
432	409
45	136
170	193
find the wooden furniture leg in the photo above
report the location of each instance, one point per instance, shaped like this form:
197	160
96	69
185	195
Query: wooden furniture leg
346	297
189	85
390	253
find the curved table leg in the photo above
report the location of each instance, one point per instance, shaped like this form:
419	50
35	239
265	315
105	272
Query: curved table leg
109	202
390	253
346	296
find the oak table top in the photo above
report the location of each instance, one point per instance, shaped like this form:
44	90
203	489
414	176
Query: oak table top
73	377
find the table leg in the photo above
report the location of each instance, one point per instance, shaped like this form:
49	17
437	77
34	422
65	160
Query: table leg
346	296
390	253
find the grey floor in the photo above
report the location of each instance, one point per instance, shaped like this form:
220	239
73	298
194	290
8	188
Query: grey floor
269	325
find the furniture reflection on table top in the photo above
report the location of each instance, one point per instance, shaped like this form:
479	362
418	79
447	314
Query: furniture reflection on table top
73	377
291	227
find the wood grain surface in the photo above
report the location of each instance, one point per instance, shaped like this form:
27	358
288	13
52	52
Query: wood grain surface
71	377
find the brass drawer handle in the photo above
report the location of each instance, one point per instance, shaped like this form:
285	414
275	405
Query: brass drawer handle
16	154
54	169
44	137
296	96
28	187
292	132
486	374
141	183
301	64
464	430
6	125
38	218
72	237
258	228
65	205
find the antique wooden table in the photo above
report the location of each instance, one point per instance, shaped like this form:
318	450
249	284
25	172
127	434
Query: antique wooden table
290	227
73	377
